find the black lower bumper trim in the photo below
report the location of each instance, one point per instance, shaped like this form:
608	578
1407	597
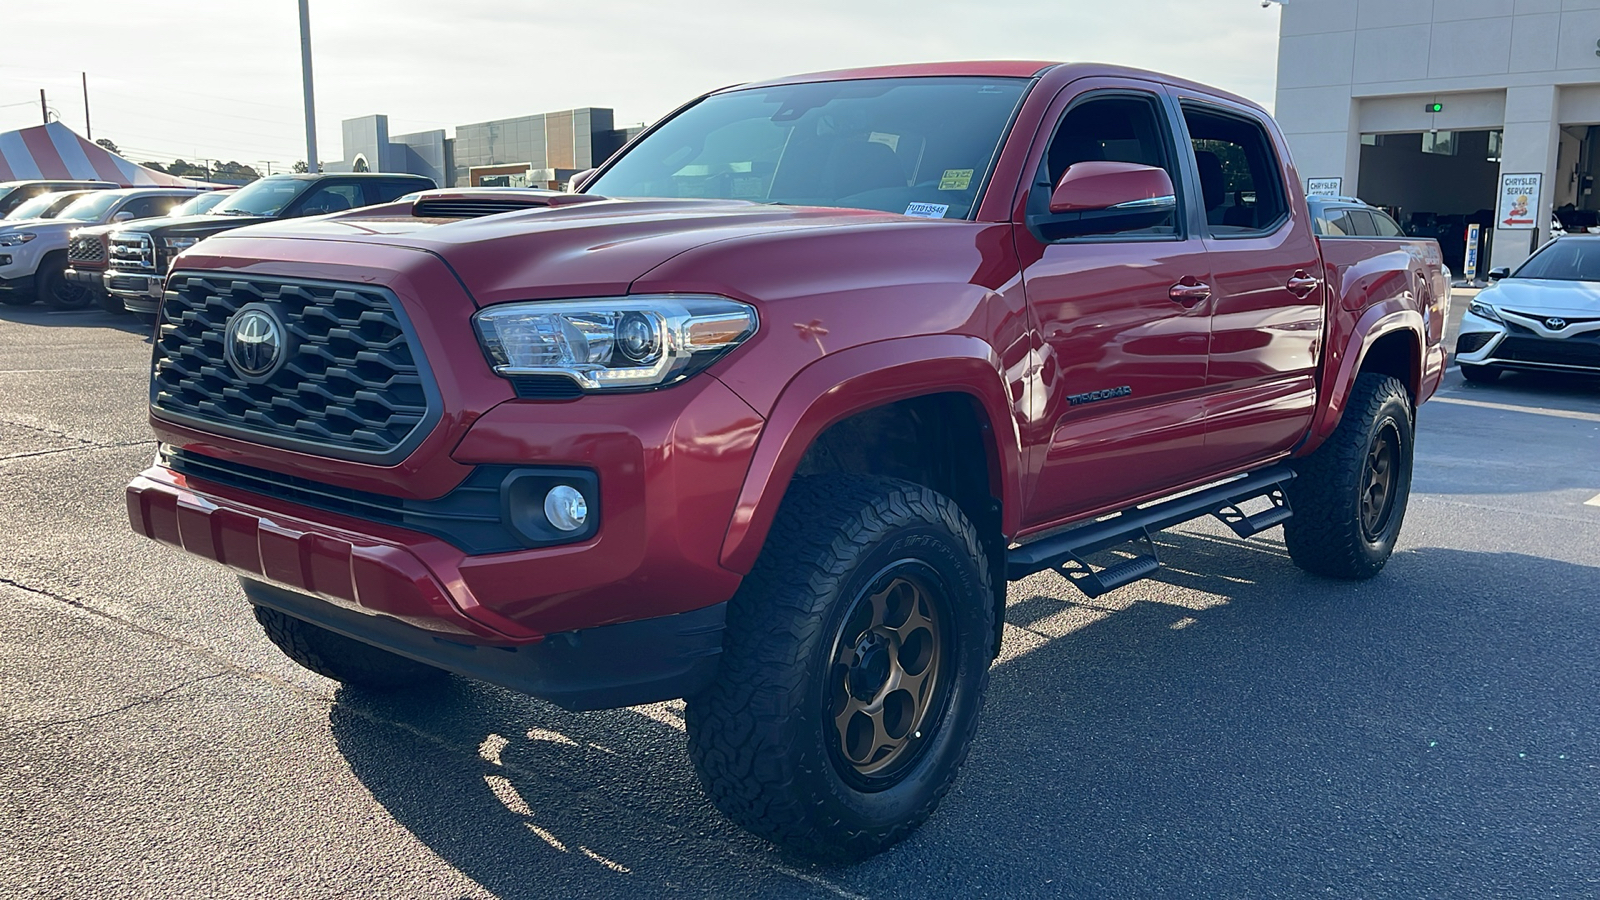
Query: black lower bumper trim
605	667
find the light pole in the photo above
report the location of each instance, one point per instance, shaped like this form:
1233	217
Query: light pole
305	69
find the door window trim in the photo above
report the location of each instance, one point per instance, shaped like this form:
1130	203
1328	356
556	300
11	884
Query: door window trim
1213	107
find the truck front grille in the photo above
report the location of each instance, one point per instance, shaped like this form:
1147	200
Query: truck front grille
85	249
349	385
132	252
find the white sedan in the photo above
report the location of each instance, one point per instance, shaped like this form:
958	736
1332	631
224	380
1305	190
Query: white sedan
1545	316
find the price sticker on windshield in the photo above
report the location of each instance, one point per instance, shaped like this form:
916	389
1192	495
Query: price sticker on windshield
955	179
927	210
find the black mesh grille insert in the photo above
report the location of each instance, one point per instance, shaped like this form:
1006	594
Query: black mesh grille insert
468	209
1472	343
349	386
1567	352
545	387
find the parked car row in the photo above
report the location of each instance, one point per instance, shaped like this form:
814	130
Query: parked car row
69	244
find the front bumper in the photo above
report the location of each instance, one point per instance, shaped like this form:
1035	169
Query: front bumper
595	668
1528	345
405	592
93	279
141	292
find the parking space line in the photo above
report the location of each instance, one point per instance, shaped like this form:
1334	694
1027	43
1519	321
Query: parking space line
1592	501
1530	410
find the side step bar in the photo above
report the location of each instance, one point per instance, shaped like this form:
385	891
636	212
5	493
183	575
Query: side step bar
1066	551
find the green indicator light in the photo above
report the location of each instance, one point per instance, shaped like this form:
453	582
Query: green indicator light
1436	107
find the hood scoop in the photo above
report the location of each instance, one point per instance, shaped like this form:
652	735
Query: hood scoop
472	203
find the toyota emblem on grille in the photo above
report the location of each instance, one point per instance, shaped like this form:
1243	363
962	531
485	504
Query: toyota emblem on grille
254	343
1555	323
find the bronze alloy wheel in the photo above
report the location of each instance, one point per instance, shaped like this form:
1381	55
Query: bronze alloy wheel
887	681
1378	481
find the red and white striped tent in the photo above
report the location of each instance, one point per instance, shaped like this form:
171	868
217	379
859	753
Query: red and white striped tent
57	152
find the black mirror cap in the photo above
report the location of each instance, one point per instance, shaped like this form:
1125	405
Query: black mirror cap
1499	273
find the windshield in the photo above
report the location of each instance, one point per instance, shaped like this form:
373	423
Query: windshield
90	207
199	204
919	146
44	206
266	197
1564	260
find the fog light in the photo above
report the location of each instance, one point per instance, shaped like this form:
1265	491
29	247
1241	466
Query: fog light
565	507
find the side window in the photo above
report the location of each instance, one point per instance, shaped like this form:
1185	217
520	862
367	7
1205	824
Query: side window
331	197
1114	128
1239	173
384	191
149	207
1362	220
1387	227
1336	223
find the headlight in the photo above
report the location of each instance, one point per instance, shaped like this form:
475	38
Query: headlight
1483	310
16	238
614	343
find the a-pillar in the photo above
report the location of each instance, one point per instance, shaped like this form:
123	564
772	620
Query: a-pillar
1529	147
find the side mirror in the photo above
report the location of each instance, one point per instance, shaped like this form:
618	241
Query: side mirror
1100	197
1497	274
123	216
576	182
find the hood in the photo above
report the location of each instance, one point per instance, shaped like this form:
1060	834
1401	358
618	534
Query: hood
190	226
555	252
46	226
1539	297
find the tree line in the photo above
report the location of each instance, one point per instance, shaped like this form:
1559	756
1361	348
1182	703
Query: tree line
231	170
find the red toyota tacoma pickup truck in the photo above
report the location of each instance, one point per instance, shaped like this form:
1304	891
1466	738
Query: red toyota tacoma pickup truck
769	412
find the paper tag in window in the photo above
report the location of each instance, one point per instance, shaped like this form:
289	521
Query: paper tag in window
892	141
927	210
955	179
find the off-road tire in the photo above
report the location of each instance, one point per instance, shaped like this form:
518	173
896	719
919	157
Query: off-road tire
760	736
340	658
1480	374
56	292
1328	535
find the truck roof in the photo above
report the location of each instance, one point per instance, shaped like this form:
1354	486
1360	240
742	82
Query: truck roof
1064	72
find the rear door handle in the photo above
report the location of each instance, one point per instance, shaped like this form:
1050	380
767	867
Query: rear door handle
1301	285
1190	293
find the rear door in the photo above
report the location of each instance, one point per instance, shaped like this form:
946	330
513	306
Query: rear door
1267	292
1123	358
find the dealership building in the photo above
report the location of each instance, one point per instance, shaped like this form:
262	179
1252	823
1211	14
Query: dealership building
1448	113
542	150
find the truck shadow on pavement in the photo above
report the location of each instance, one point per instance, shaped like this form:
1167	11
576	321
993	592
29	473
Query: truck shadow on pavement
1247	731
92	317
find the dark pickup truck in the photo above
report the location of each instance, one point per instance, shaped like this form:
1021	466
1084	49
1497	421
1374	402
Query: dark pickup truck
769	412
139	256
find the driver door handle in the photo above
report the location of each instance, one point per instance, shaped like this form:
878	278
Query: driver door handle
1190	292
1301	285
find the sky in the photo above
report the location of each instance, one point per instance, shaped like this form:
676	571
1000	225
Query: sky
221	79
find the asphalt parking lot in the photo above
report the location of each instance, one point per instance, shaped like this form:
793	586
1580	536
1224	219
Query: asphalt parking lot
1234	729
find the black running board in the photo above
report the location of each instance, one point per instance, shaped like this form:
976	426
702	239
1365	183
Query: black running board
1066	551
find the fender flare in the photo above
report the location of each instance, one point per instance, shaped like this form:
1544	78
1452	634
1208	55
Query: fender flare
1379	321
860	378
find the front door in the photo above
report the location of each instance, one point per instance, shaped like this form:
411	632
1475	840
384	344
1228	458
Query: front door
1124	346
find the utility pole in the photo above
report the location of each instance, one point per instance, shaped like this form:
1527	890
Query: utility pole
45	110
305	70
88	130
